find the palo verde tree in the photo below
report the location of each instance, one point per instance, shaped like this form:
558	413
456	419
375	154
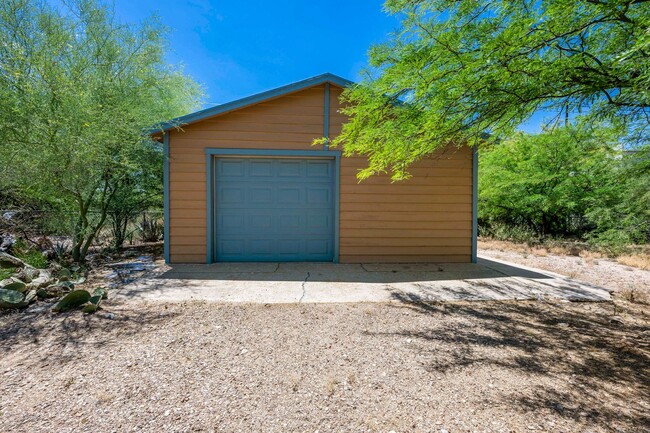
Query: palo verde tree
78	91
458	69
549	182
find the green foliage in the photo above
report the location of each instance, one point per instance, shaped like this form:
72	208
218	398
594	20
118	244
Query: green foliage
569	181
14	299
78	92
457	70
34	258
5	273
500	230
622	212
93	303
29	255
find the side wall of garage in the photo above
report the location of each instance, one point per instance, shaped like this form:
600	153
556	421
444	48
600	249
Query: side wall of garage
425	219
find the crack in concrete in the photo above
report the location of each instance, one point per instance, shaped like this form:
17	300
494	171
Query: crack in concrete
304	282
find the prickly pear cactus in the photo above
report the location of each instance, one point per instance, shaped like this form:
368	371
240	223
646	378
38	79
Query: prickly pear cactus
93	304
66	284
11	299
101	291
44	294
72	300
64	274
96	299
17	286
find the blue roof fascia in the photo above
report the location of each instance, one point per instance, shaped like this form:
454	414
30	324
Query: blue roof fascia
254	99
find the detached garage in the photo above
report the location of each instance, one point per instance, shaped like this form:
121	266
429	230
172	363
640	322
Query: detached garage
243	182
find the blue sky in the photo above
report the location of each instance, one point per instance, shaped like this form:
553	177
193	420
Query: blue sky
238	48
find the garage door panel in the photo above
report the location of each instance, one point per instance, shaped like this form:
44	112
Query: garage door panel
232	195
260	195
274	209
319	196
231	168
319	169
289	195
290	223
322	223
289	169
259	168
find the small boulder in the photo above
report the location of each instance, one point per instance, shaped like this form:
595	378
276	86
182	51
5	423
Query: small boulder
40	282
28	273
54	290
9	261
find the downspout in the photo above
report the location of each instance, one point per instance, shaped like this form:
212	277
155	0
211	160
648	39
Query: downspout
166	195
474	204
326	117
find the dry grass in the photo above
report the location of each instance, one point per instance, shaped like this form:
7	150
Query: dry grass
330	386
640	260
635	296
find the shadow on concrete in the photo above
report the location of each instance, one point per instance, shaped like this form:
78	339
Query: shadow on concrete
329	282
351	273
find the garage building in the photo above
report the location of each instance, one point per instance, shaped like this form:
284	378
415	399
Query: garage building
243	182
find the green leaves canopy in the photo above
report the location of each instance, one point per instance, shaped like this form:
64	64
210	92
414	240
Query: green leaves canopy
78	91
567	181
457	70
547	182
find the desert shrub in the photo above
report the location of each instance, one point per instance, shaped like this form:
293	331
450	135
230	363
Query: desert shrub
621	211
77	144
569	182
509	232
151	228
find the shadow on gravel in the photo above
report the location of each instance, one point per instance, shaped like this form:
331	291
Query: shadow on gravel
62	333
601	361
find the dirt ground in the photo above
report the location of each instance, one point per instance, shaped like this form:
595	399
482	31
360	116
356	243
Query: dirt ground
380	367
398	367
588	266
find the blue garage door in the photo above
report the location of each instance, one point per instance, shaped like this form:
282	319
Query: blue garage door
274	209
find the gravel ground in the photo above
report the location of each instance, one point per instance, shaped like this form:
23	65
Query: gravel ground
600	271
396	367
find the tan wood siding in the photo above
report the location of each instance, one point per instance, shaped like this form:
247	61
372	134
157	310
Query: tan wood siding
427	218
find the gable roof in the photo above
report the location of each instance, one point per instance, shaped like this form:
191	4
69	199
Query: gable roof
253	99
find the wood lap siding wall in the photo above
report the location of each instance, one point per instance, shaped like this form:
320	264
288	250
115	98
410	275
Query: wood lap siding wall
425	219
